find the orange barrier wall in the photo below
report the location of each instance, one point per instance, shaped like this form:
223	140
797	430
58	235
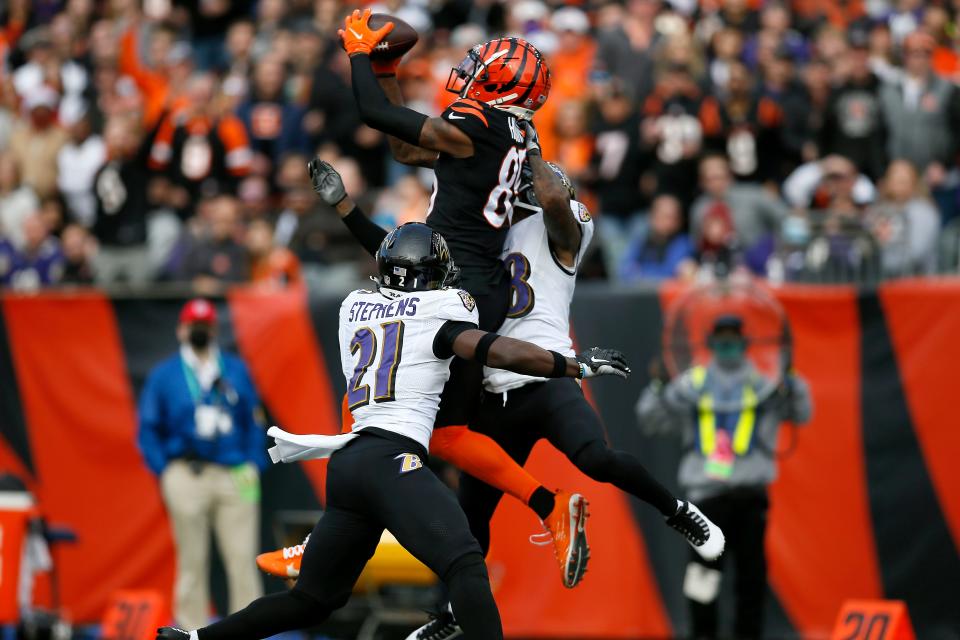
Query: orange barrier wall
866	506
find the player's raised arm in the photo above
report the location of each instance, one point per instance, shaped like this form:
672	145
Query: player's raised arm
464	340
555	199
328	184
377	111
402	152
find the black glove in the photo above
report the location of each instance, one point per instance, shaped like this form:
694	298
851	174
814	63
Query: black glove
532	140
172	633
602	362
326	182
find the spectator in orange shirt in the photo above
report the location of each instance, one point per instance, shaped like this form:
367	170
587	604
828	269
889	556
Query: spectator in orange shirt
166	79
270	265
202	149
570	66
945	61
574	145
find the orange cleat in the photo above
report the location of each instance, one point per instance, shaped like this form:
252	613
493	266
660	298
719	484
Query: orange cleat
283	563
566	529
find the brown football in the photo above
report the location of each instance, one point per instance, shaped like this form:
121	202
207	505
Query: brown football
397	42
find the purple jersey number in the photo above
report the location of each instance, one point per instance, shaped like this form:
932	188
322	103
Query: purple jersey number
521	294
365	341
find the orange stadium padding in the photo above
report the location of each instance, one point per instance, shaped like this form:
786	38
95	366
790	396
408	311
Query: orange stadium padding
923	318
134	614
14	517
277	340
873	620
78	455
804	543
79	405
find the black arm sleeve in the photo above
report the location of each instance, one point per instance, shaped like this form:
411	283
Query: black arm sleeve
376	110
366	231
443	341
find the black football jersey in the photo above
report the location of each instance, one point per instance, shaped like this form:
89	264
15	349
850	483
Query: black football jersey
473	197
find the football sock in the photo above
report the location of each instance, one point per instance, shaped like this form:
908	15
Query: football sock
625	472
267	616
483	459
471	599
542	502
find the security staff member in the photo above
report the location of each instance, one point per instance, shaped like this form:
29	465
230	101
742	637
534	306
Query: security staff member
727	465
200	433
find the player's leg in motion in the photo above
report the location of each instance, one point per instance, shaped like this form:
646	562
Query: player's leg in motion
425	517
563	515
339	547
572	426
469	451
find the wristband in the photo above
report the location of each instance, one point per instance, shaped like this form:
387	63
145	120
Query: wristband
385	68
559	366
483	347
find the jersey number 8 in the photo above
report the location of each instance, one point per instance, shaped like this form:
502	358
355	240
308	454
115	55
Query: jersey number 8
365	341
521	293
500	202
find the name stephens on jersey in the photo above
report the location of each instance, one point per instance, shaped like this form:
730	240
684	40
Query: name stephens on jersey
387	340
362	311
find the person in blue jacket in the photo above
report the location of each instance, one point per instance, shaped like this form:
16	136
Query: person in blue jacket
201	433
664	251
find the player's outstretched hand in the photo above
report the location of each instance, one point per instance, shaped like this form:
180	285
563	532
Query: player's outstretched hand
532	140
326	182
358	37
602	362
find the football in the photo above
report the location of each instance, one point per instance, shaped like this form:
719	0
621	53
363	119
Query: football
397	42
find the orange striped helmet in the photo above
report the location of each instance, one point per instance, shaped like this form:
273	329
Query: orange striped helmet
506	73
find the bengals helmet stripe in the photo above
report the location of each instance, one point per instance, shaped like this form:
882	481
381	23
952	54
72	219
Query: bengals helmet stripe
519	74
506	73
530	88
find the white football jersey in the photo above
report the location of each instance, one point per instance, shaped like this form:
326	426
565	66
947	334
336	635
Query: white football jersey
541	290
393	378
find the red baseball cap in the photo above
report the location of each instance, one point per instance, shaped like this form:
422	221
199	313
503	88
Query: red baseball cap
198	310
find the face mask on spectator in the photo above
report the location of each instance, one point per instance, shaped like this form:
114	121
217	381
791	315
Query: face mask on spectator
795	231
728	352
199	336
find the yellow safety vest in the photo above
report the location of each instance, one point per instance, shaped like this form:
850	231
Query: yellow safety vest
707	418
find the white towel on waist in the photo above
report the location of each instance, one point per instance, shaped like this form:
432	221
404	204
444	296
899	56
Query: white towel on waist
291	447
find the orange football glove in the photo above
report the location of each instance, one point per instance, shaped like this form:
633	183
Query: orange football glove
357	36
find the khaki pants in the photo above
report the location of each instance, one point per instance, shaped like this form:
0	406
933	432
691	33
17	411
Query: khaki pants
195	501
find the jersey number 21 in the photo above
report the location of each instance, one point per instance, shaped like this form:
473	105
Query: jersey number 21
365	341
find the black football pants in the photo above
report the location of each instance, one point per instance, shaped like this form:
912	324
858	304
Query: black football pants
373	484
557	411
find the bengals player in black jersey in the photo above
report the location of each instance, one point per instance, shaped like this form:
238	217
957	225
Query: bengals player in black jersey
477	148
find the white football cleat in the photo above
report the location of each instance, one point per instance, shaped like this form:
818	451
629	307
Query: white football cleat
705	537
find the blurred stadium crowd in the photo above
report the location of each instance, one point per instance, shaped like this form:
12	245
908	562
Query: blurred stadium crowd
166	140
